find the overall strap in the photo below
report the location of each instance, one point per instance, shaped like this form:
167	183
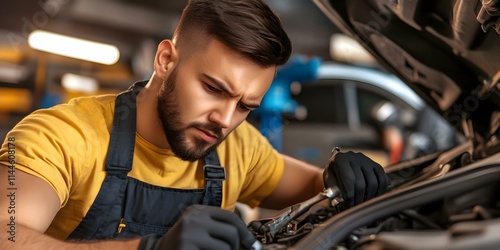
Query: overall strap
214	174
122	141
118	164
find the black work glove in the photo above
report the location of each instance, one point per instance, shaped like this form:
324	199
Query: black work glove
202	227
358	177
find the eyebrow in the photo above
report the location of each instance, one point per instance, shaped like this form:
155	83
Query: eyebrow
226	90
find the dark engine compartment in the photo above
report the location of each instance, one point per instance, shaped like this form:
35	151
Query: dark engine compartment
444	200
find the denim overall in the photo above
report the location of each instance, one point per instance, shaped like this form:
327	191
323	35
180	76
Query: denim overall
126	207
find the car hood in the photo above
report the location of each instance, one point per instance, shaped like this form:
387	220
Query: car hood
446	51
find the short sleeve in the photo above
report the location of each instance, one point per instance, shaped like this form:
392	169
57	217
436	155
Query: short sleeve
49	144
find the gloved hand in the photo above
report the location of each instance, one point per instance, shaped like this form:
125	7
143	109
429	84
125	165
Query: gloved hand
202	227
358	177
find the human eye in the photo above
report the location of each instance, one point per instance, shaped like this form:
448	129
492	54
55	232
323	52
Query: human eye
211	88
243	107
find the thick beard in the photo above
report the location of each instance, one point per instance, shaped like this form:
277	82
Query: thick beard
169	115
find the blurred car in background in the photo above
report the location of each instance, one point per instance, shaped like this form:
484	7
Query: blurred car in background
340	111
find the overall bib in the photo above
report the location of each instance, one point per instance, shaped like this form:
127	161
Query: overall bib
126	207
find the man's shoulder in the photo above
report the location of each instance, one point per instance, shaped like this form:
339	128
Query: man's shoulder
89	108
92	103
80	112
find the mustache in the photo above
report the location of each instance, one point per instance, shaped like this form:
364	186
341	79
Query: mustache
212	128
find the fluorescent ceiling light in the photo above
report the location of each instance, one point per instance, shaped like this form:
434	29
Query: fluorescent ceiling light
73	47
79	83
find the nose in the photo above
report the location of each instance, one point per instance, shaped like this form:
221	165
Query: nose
223	114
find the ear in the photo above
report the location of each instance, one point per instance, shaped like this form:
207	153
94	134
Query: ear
165	59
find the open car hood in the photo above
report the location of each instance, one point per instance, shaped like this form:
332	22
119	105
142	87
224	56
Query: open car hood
447	51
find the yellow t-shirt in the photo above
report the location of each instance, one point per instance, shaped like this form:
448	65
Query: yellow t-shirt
66	146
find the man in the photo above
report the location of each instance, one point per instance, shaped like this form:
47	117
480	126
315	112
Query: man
386	118
127	166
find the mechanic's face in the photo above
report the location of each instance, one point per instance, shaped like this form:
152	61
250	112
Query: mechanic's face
207	96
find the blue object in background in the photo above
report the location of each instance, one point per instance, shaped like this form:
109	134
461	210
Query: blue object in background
50	99
278	99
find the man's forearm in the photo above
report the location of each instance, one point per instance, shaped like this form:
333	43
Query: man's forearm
27	238
319	183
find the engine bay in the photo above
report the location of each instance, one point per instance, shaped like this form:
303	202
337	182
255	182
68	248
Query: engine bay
444	200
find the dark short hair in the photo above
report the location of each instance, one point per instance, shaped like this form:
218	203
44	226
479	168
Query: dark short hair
249	27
